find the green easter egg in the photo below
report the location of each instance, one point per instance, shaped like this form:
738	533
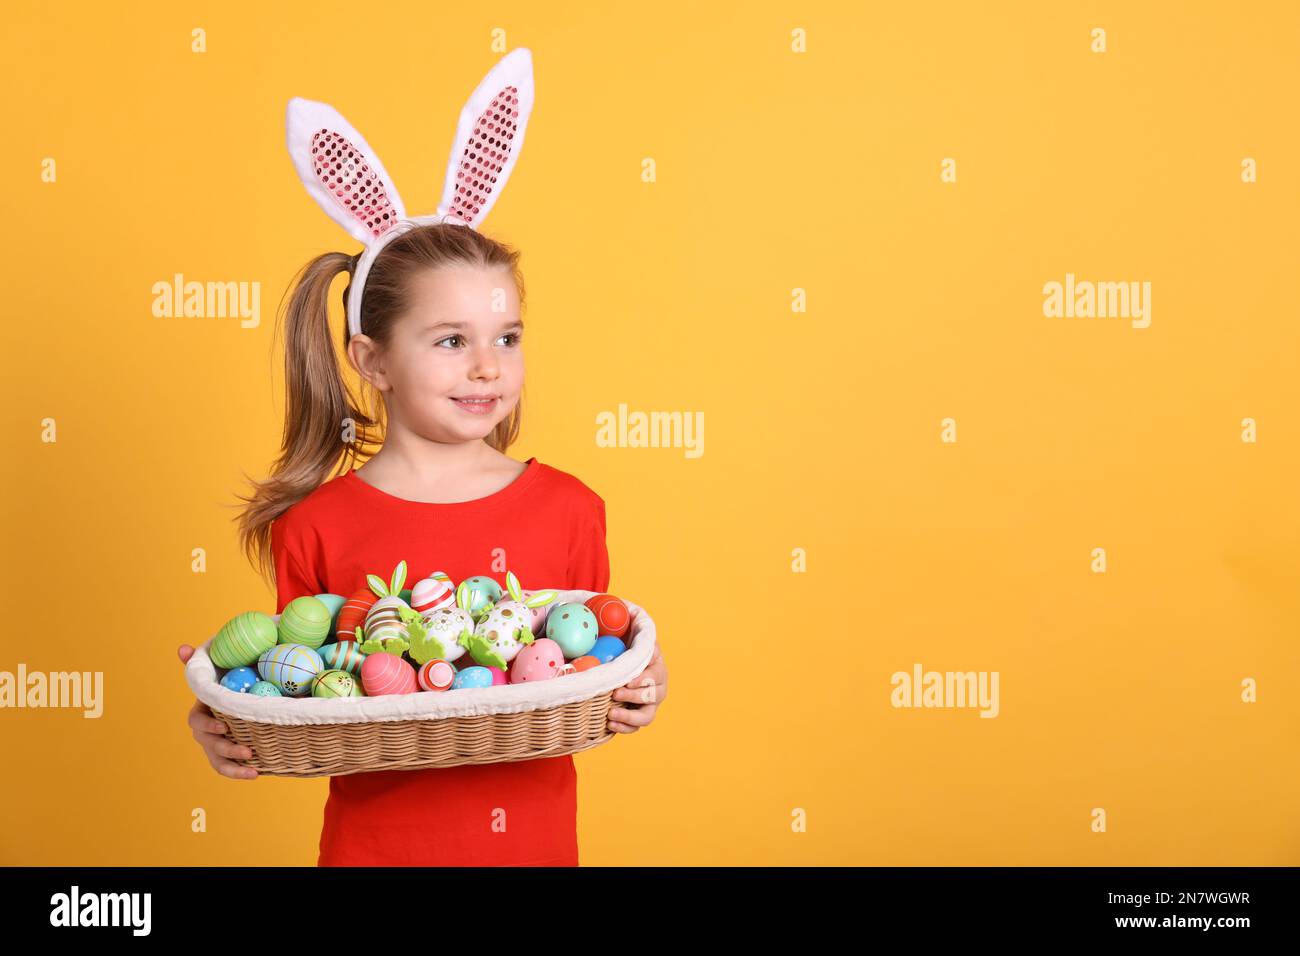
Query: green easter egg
242	640
264	688
306	621
335	604
333	684
405	595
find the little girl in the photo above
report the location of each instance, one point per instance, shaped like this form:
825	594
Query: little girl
442	495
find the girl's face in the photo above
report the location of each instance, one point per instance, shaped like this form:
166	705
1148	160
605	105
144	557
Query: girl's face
459	341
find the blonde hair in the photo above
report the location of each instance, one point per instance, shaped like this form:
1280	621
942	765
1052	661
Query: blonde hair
317	397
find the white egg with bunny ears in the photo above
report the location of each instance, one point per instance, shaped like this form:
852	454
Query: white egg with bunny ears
505	629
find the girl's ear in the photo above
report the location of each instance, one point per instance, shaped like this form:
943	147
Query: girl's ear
512	585
489	137
340	170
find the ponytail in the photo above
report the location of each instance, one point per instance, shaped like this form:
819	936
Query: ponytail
317	403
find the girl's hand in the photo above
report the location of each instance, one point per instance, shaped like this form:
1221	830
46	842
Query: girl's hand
209	731
646	692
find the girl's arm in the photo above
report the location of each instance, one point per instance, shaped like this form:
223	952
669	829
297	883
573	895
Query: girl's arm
588	555
293	575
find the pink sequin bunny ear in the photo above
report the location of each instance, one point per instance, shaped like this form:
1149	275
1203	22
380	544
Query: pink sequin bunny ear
340	170
489	137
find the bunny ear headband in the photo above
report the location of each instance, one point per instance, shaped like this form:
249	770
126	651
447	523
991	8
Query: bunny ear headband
344	175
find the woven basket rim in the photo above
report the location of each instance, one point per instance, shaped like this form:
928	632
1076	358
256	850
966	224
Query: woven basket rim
200	674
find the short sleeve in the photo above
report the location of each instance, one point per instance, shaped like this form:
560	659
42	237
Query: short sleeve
588	555
292	580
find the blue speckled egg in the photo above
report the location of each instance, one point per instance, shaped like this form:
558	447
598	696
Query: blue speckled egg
240	680
607	648
472	677
264	688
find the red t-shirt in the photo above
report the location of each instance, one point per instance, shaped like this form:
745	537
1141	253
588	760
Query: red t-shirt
549	529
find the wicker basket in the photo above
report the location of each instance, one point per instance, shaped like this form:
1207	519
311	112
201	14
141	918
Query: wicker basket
309	737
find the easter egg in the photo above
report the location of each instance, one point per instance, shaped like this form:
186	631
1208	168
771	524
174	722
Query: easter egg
332	684
385	626
436	675
290	667
242	640
573	627
540	660
439	635
606	648
612	615
585	663
383	673
431	594
475	676
498	675
305	620
357	689
405	595
240	680
335	604
343	657
353	614
264	688
488	591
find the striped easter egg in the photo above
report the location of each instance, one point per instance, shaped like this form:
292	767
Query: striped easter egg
343	657
387	674
242	640
305	620
290	667
431	594
436	675
384	620
353	614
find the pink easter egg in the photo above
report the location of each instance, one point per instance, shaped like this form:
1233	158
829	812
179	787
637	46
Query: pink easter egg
436	675
498	675
540	660
432	593
387	674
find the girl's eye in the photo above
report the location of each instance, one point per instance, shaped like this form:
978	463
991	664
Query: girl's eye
508	335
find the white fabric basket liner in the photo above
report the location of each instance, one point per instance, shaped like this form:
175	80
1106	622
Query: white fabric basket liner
201	674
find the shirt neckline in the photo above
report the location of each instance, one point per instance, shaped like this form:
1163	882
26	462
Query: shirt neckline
504	495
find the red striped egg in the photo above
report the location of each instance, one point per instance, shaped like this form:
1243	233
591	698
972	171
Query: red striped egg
353	614
436	675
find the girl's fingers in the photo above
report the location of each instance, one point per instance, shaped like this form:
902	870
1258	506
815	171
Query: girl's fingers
202	721
185	652
618	728
638	695
632	718
234	770
232	750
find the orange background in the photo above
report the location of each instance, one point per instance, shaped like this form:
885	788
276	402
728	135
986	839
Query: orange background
775	171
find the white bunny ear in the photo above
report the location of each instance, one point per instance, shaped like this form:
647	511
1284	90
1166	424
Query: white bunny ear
489	137
340	170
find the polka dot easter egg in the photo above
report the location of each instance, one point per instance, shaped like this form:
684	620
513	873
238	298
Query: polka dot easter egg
504	630
383	673
242	640
541	660
612	615
487	593
332	684
573	627
441	634
386	622
344	657
240	680
264	688
436	676
305	620
290	667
